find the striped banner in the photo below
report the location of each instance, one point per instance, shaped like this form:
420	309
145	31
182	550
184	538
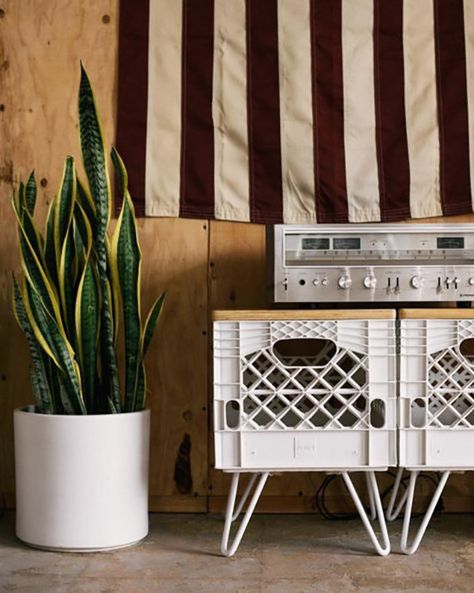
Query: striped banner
298	111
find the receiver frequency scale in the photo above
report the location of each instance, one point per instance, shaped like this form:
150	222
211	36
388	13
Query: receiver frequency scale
371	263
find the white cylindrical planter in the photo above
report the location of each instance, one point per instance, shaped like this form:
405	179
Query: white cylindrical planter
81	481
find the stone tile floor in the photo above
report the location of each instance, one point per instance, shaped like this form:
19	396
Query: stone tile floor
279	554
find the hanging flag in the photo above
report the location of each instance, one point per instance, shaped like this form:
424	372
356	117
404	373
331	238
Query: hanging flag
298	111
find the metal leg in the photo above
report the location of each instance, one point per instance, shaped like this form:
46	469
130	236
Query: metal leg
373	510
244	497
390	514
411	549
230	515
374	492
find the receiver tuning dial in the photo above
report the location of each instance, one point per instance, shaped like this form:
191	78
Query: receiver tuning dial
344	282
370	282
417	281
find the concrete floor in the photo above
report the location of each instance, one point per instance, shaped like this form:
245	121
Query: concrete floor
280	554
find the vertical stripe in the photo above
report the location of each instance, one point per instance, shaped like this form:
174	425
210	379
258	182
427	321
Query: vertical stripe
132	93
327	83
392	147
264	111
163	146
197	139
229	110
452	106
469	42
296	121
359	110
421	107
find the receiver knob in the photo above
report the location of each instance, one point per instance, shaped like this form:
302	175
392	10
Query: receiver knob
417	281
471	281
370	282
344	282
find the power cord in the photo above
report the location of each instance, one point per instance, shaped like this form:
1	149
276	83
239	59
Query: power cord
321	495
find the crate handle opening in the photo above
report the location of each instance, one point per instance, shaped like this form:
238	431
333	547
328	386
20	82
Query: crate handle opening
418	410
377	413
232	413
466	349
305	352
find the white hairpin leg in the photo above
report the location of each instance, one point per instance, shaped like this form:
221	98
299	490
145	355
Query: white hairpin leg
384	549
411	549
373	510
391	514
245	495
231	515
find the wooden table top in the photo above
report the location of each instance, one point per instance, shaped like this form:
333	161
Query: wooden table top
303	315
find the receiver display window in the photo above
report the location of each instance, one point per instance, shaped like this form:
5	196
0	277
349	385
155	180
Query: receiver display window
346	243
315	243
450	243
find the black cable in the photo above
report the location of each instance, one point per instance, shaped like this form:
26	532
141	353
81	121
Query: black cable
320	497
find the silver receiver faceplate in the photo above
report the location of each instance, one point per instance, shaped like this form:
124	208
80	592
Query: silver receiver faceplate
371	263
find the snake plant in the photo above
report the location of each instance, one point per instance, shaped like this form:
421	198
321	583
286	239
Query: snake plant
82	284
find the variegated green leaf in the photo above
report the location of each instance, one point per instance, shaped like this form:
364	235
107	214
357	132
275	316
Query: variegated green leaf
48	332
151	321
120	171
87	329
30	193
84	199
39	375
95	164
34	270
141	389
64	208
67	284
26	224
53	375
126	256
49	247
21	200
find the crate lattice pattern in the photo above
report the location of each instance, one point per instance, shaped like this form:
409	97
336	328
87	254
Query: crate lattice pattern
450	384
329	390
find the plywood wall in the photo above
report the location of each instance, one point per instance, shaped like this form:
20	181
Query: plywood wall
202	265
42	42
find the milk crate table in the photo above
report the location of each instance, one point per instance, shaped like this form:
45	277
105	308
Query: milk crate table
304	391
436	405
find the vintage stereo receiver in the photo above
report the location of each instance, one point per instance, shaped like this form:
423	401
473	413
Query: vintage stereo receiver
370	263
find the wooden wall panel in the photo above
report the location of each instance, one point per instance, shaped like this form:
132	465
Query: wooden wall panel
42	42
203	266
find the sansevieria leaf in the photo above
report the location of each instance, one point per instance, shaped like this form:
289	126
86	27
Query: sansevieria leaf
64	208
127	257
49	249
151	321
141	389
87	328
40	383
93	155
126	264
67	284
47	331
30	193
85	201
28	227
35	271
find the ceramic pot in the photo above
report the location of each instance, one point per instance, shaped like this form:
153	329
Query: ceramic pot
81	481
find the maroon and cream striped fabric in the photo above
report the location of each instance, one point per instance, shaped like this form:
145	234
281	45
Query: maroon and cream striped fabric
298	111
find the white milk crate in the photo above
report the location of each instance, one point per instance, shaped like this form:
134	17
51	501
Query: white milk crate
304	390
436	404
